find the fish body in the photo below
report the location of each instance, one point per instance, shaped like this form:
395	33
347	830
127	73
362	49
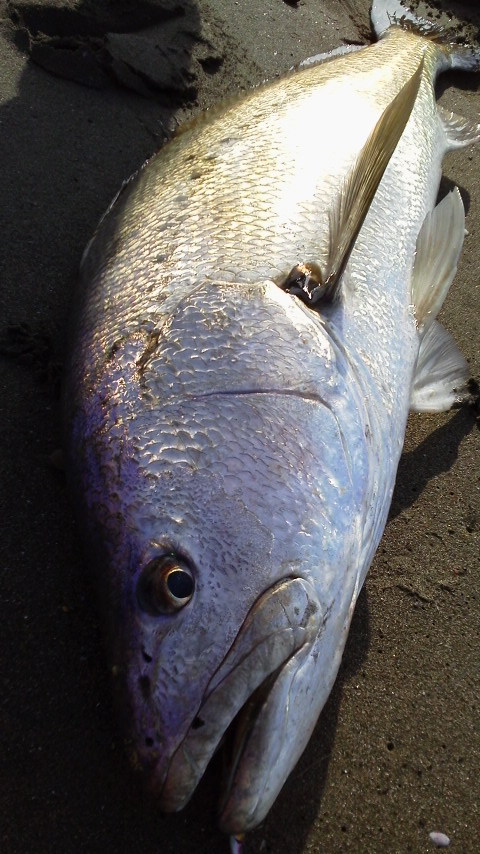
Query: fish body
233	449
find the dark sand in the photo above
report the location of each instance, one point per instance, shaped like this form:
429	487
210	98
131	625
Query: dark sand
396	751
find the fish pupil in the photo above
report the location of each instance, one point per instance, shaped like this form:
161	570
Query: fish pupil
180	583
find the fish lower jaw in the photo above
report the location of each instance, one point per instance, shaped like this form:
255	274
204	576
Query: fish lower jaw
238	739
241	736
247	704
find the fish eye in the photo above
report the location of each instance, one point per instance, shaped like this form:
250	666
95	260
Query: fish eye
166	585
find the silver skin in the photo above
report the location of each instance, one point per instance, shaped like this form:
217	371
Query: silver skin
213	415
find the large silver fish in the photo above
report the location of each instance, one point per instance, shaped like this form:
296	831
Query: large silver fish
256	317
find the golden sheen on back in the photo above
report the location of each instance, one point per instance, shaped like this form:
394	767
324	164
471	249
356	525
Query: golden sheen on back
242	191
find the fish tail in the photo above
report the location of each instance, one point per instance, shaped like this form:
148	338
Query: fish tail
386	14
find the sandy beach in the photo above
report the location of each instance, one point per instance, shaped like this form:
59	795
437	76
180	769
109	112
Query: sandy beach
396	751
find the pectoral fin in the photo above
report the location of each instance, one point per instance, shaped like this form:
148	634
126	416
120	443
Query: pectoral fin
439	245
441	372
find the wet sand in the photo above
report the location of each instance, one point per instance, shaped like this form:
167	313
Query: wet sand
396	751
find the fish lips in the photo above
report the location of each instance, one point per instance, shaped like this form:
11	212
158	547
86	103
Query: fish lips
253	680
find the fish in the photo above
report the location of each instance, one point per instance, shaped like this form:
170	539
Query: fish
255	317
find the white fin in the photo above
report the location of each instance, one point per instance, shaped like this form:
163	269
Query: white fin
459	131
441	372
439	244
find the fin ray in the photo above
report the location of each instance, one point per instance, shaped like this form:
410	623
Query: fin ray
441	373
459	131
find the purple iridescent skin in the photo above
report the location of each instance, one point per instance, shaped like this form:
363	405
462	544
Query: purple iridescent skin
248	485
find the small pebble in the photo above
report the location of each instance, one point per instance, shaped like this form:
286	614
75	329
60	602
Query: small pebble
441	840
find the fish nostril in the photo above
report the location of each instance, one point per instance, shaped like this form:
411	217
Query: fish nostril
146	656
197	723
145	686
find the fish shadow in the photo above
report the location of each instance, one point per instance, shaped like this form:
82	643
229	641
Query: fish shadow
447	185
457	80
436	454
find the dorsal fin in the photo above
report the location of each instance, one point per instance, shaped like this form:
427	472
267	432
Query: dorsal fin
361	185
307	280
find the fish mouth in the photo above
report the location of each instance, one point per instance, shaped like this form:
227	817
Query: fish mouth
248	696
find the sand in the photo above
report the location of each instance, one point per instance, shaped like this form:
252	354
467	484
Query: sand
396	751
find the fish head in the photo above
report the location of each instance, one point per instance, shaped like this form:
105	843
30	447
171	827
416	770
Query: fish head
226	518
